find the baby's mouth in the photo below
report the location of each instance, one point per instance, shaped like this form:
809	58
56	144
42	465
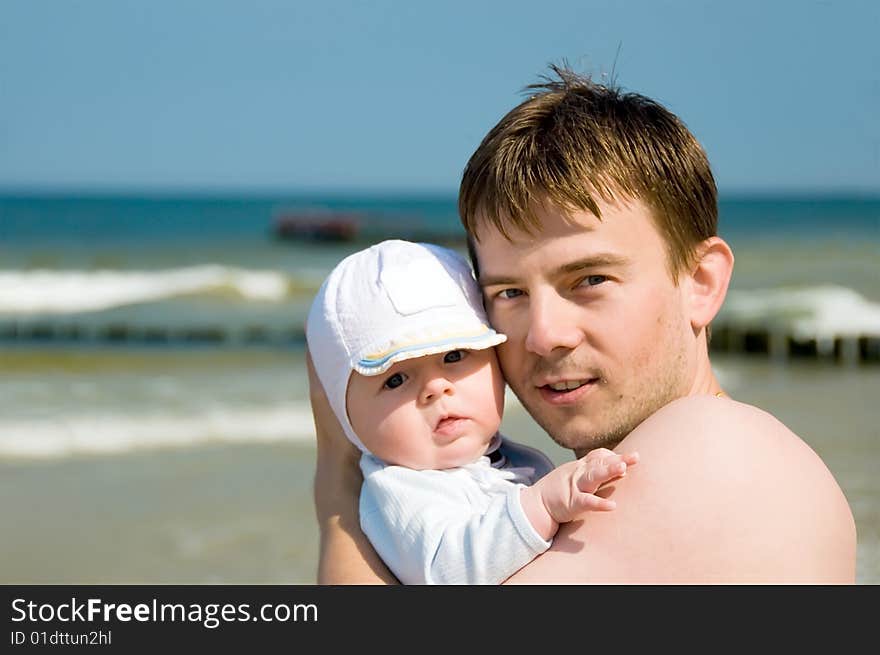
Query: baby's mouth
449	424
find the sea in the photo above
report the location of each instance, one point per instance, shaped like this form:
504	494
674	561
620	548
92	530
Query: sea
154	416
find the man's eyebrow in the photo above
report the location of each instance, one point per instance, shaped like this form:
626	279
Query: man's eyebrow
495	280
594	261
598	260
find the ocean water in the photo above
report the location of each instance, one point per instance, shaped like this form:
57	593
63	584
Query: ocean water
154	418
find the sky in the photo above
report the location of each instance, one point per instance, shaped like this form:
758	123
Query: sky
394	96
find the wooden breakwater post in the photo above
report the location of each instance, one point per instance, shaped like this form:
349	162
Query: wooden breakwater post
827	323
57	333
780	346
775	341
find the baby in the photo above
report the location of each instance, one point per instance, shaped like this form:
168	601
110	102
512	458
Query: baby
403	349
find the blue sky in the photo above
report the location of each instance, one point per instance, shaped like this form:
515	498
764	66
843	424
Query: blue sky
394	96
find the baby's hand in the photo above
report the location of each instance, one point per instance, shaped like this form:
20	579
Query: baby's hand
592	471
569	490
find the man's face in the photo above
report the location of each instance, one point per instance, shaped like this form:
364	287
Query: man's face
598	337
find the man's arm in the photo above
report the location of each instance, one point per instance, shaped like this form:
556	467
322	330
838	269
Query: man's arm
346	556
724	493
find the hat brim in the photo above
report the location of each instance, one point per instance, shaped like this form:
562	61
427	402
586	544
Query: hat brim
378	364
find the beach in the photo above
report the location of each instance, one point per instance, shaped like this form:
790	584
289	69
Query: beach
237	509
154	418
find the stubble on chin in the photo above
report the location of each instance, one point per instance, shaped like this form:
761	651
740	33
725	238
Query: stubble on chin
581	430
611	414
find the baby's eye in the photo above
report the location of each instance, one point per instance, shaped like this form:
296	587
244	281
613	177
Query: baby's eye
394	381
453	356
509	294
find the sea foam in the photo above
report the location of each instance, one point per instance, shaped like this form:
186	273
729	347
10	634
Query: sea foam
71	292
116	432
818	312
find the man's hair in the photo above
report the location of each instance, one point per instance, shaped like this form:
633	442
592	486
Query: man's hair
573	141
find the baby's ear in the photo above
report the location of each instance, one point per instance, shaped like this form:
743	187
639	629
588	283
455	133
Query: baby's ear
708	280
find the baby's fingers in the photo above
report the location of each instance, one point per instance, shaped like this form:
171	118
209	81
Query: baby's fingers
592	503
595	473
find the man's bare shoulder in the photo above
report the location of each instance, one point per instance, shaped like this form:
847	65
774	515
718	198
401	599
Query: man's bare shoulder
724	492
713	427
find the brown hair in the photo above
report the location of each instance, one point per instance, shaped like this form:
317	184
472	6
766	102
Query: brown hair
574	140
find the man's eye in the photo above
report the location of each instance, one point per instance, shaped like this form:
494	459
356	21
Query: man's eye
453	356
394	381
593	280
510	293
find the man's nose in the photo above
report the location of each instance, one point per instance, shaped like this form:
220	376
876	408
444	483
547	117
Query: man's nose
552	324
436	386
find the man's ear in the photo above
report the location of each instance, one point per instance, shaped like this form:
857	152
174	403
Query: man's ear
708	281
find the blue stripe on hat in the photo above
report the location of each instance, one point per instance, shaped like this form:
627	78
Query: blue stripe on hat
460	341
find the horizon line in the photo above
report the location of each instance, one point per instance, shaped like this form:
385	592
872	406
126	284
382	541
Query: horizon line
254	192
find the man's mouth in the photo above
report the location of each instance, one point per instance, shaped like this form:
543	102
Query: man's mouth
568	385
567	391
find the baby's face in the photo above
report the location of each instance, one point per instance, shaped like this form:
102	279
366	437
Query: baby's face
432	412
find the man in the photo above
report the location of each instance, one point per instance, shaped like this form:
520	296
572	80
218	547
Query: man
591	217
